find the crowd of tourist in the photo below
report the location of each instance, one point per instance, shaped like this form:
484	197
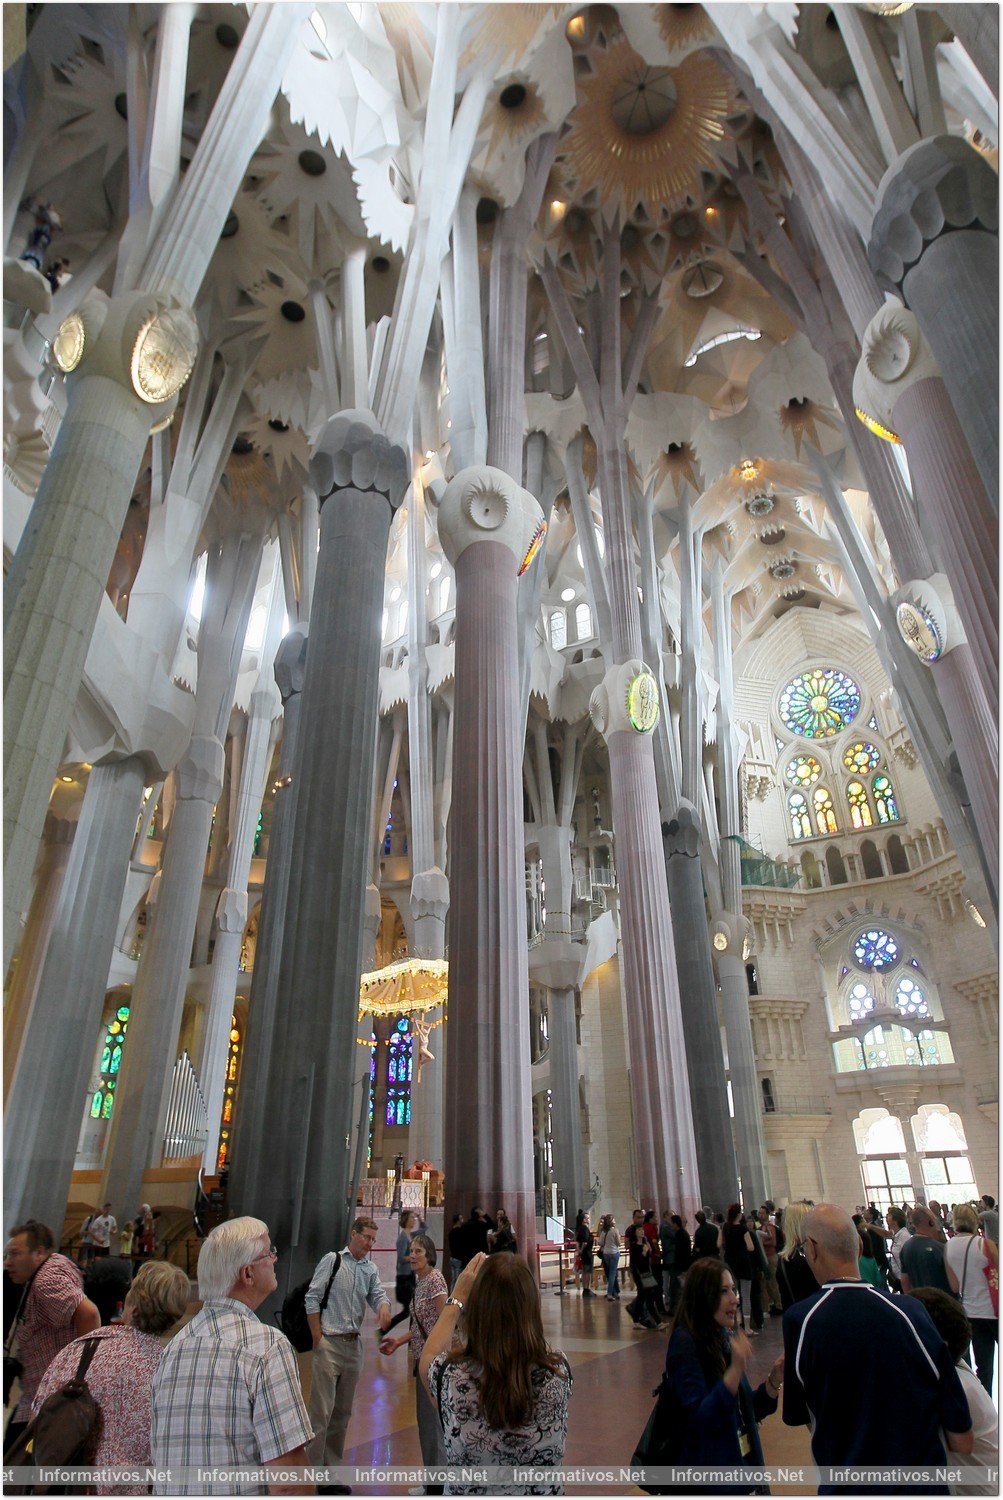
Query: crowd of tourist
910	1293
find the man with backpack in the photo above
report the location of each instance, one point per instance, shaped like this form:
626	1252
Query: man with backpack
336	1327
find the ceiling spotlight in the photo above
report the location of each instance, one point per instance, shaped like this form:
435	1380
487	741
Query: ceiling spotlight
68	345
748	469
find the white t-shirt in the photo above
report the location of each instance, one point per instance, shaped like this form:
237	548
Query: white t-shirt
977	1301
985	1452
102	1227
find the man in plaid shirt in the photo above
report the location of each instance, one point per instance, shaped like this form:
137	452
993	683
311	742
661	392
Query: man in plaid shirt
227	1392
54	1310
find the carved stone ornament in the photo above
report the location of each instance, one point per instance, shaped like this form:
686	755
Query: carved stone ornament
936	186
927	619
483	504
681	835
353	453
894	357
290	662
626	699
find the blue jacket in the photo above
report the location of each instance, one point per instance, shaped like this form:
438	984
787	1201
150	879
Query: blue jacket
703	1412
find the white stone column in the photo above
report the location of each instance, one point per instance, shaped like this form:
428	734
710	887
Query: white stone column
158	996
749	1144
485	526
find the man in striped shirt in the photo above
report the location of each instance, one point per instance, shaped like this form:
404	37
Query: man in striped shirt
337	1342
226	1393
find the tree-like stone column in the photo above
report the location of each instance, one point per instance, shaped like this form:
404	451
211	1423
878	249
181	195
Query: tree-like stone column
935	243
304	1130
253	1104
486	524
715	1146
623	709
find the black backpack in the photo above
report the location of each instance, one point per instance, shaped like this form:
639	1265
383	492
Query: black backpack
60	1431
292	1317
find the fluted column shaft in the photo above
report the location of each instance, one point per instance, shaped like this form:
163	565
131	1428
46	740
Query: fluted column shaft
231	914
488	1150
742	1064
249	1158
46	1101
715	1147
665	1164
25	976
569	1157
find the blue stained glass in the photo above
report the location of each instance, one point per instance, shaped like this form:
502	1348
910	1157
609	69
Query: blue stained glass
875	949
402	1024
401	1111
257	834
819	703
884	800
116	1059
392	1068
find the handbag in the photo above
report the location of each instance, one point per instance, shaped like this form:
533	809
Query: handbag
647	1281
60	1430
657	1445
991	1271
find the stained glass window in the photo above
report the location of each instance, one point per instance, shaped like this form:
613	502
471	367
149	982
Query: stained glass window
804	770
257	835
875	949
860	809
819	703
229	1096
860	1000
825	817
103	1097
862	758
910	998
884	800
399	1075
872	723
800	821
875	1050
372	1095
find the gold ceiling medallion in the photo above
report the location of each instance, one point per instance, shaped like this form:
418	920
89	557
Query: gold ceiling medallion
683	26
506	31
801	417
642	134
677	465
513	114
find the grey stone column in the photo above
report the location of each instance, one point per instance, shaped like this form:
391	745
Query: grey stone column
253	1107
27	968
715	1146
148	1058
749	1144
305	1129
569	1158
429	905
485	524
53	591
46	1101
935	243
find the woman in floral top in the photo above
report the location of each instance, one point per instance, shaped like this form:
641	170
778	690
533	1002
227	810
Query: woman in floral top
120	1375
501	1393
426	1304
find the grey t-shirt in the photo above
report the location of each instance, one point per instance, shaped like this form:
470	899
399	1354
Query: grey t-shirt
923	1262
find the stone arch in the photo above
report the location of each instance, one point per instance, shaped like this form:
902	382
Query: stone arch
871	860
835	866
898	860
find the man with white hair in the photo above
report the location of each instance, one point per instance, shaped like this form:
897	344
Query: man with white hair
868	1372
226	1393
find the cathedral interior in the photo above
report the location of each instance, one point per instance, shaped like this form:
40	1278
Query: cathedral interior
501	608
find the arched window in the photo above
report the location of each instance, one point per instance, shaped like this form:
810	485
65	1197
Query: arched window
819	703
825	817
810	870
558	629
229	1096
898	860
871	860
803	770
909	998
875	949
881	1148
859	1001
583	622
860	809
876	1048
862	758
800	821
884	800
835	866
940	1139
103	1099
399	1075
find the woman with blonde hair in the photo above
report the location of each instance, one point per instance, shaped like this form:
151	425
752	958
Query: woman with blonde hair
501	1393
120	1375
967	1256
794	1275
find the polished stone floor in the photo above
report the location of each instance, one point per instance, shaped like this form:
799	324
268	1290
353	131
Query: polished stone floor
615	1371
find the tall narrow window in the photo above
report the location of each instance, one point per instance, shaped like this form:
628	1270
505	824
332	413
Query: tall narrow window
825	817
229	1096
800	821
103	1098
860	808
399	1075
884	800
558	629
583	622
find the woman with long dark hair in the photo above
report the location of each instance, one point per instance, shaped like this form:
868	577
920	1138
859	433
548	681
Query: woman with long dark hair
425	1308
710	1411
738	1252
501	1393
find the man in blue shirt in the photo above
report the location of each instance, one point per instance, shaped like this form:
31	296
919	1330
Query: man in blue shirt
868	1372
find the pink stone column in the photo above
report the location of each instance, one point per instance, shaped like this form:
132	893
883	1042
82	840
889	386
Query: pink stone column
489	1124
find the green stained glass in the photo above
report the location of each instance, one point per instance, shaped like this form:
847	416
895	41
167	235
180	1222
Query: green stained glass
109	1100
122	1013
819	703
105	1058
884	800
96	1105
